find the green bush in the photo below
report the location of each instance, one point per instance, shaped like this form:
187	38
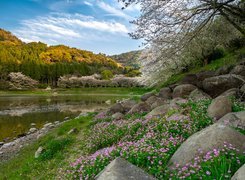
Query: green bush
133	73
106	74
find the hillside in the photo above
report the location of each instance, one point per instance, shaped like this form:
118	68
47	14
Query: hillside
128	58
6	36
46	63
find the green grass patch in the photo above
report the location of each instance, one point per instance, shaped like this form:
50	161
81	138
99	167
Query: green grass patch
58	147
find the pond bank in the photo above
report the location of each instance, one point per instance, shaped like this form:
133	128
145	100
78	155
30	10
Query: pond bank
10	149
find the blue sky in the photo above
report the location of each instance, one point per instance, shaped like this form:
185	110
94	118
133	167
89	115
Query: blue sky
95	25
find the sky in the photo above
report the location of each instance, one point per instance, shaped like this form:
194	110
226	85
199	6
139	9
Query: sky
100	26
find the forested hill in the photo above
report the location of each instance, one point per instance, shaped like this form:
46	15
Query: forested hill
128	58
47	63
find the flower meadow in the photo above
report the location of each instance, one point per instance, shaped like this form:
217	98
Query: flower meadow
149	143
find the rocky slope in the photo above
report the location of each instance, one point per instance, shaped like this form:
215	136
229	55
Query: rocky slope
213	134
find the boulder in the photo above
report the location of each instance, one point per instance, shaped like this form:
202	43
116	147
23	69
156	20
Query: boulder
33	124
146	96
117	116
234	119
39	151
140	108
120	169
73	131
57	122
48	125
219	107
198	94
151	100
172	86
224	70
32	130
177	102
183	90
159	102
204	75
159	111
116	108
66	118
234	92
190	79
165	93
239	70
207	139
128	104
215	86
240	174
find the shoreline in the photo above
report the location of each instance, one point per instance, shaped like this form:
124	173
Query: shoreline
10	149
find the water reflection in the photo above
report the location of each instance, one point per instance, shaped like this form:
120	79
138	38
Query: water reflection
18	112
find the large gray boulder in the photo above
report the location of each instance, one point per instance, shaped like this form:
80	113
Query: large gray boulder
198	94
234	92
214	86
240	174
146	96
207	139
190	79
224	70
177	102
151	100
159	102
159	111
140	108
239	70
128	104
117	116
203	75
116	108
120	169
219	107
165	93
183	90
234	119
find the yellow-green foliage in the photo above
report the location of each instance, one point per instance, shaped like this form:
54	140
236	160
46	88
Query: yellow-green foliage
107	74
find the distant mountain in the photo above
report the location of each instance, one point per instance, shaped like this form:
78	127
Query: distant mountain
47	63
128	58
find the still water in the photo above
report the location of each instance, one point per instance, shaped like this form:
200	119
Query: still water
18	112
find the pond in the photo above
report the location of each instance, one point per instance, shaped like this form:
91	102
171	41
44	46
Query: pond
19	111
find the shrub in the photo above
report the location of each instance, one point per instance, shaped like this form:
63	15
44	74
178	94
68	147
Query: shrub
106	74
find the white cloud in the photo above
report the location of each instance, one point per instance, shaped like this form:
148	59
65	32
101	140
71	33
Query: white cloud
114	10
88	3
60	27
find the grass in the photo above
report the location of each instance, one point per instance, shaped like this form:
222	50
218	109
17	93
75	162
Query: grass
81	91
58	145
148	143
228	59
